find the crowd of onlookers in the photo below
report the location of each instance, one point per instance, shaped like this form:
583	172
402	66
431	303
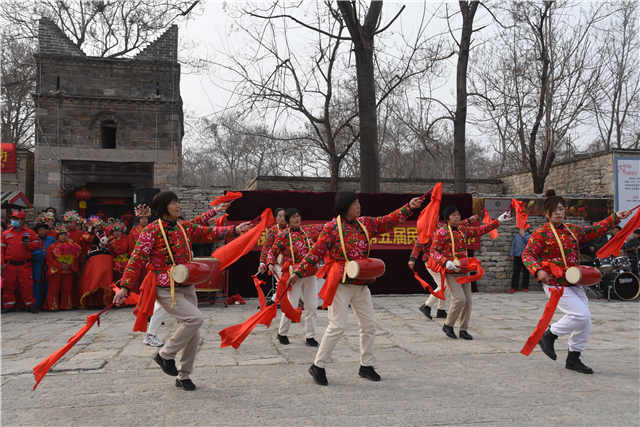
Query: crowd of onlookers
42	265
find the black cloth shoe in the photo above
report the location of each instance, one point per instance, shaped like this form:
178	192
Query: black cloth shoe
449	331
319	375
311	342
168	365
426	310
187	384
442	314
465	335
283	339
546	344
575	364
369	373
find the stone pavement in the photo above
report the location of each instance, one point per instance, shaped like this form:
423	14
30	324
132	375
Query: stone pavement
427	378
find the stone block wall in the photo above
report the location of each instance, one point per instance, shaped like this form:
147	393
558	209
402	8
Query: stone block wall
195	200
490	186
592	175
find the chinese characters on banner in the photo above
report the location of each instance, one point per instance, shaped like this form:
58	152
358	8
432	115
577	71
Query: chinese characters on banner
627	183
8	158
400	237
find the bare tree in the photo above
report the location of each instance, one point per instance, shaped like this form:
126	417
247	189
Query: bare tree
17	73
616	99
540	74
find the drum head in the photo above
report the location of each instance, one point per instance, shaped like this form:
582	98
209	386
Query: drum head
353	269
573	275
627	286
180	273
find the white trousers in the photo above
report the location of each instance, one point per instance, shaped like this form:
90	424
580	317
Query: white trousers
159	315
307	288
431	301
360	299
577	317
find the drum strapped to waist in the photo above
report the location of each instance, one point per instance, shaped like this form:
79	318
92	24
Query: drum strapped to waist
584	275
202	272
364	269
463	266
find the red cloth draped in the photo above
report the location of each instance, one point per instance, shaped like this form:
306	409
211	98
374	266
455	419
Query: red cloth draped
131	300
95	281
41	369
240	246
229	197
220	221
521	214
613	246
428	219
281	296
487	220
333	271
257	282
434	266
549	309
146	301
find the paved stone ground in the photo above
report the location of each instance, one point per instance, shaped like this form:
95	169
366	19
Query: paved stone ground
428	379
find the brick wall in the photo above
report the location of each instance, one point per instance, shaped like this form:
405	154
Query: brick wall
195	200
485	186
592	175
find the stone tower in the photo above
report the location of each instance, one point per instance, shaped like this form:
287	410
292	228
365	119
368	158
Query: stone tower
113	126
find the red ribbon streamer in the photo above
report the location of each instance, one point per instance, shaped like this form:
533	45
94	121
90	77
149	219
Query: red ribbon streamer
426	285
549	309
41	369
221	220
240	246
487	220
146	302
473	265
258	284
229	197
333	270
521	214
428	219
613	246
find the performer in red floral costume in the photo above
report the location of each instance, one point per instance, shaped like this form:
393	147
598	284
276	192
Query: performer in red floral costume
63	259
161	245
558	244
345	238
293	244
448	251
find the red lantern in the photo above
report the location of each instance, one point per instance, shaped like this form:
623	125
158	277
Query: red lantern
82	196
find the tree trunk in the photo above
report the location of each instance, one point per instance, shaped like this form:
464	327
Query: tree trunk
369	168
538	183
460	120
334	167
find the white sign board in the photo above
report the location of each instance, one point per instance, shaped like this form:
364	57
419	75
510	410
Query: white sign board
627	180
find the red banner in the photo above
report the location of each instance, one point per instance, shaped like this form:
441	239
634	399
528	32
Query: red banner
401	236
8	158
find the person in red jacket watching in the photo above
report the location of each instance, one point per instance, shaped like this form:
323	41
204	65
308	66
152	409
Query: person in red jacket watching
62	263
17	243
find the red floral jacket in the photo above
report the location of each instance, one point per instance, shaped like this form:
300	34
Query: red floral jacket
303	238
151	248
441	247
60	253
542	245
425	248
272	233
355	241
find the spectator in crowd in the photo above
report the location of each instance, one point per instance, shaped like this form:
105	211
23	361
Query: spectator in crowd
519	242
39	264
17	243
62	262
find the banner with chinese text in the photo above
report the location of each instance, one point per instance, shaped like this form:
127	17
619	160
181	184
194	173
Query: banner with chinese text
8	158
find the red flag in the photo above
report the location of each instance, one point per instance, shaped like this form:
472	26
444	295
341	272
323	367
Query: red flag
220	221
229	197
41	369
521	214
487	220
240	246
428	219
614	245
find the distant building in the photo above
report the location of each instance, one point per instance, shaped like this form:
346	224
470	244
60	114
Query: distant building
114	126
